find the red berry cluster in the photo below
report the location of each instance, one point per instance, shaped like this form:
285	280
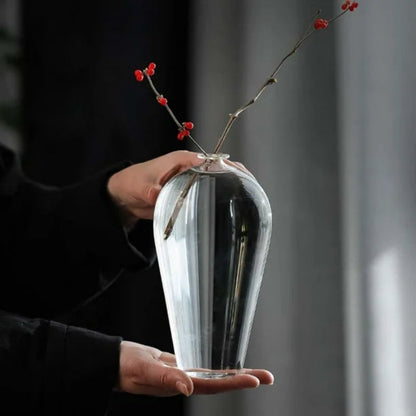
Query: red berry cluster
162	100
139	75
349	6
150	70
185	127
184	131
320	24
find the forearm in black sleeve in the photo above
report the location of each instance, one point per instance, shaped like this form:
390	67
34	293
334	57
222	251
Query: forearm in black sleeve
57	243
53	369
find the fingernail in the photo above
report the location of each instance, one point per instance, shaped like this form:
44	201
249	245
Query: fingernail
182	388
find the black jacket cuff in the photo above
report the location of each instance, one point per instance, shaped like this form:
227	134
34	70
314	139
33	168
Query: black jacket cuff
81	370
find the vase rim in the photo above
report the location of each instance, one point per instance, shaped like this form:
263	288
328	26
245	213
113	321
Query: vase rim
213	156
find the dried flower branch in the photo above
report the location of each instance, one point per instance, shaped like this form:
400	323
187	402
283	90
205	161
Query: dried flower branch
315	25
318	24
182	127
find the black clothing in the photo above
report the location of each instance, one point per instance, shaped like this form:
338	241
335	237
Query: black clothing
58	248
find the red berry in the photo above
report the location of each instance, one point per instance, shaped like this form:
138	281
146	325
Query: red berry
183	133
152	65
353	6
162	100
320	24
345	5
188	125
150	71
139	75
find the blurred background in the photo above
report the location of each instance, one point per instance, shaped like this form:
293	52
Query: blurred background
333	144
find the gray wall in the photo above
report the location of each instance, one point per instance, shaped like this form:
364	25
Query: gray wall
334	146
9	77
289	140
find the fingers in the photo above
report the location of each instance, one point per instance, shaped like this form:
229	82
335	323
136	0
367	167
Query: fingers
264	376
163	369
150	371
182	388
182	159
143	370
163	380
168	358
220	385
244	379
135	189
172	163
186	159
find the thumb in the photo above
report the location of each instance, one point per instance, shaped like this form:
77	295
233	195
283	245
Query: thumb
163	380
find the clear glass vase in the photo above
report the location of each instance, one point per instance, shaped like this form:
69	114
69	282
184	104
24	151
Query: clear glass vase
212	229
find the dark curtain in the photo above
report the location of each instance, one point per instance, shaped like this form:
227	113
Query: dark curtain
83	110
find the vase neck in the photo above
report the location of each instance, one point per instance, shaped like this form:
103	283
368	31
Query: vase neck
213	156
213	162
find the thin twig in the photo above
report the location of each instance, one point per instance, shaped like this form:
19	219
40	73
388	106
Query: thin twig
176	121
178	206
269	81
272	79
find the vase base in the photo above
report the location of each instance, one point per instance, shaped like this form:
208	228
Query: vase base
211	374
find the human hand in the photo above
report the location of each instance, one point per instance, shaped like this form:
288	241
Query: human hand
244	379
136	188
149	371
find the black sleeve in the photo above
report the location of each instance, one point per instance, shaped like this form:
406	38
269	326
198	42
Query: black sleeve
57	244
52	369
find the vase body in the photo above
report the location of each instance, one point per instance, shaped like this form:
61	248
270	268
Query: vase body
212	263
